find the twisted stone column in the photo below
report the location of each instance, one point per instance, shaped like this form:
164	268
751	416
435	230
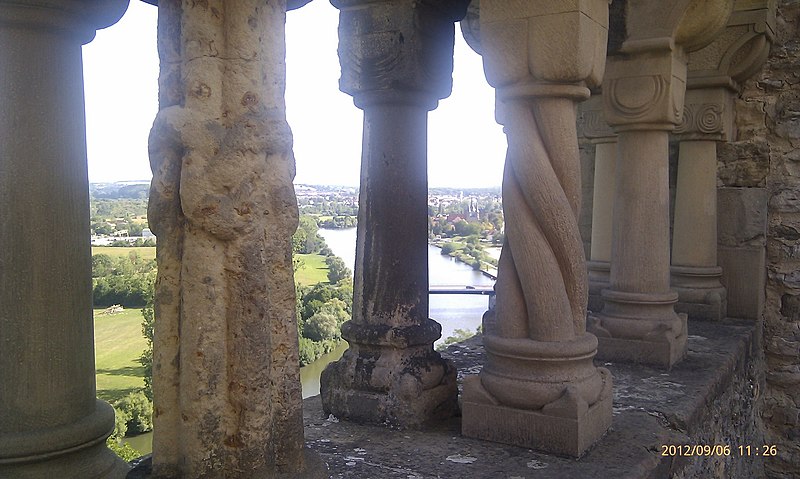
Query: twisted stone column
226	369
397	58
51	423
643	94
714	77
539	387
595	128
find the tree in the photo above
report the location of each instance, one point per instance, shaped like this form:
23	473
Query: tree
322	326
337	270
463	228
306	239
336	308
139	410
102	265
146	359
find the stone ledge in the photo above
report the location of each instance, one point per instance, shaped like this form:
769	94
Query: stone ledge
687	405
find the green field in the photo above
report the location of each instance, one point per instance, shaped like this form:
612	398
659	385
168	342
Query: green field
313	271
118	343
144	252
118	337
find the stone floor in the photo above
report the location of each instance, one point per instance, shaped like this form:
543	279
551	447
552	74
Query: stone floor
690	404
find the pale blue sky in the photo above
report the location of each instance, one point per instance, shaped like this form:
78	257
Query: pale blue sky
465	149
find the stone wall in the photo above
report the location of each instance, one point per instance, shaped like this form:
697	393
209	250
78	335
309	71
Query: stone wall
730	418
769	132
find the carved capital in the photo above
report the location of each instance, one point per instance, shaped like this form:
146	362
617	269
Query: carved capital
707	115
397	50
739	51
645	91
688	24
540	41
592	122
78	18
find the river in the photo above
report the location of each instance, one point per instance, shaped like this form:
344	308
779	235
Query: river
451	311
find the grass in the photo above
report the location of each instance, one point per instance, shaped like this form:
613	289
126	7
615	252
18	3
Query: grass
118	343
144	252
118	340
313	271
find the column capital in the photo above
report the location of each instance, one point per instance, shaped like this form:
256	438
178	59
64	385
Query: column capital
738	51
645	91
397	51
707	115
716	71
543	43
79	18
592	123
645	83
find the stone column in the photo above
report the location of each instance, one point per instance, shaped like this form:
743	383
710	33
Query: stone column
597	130
539	387
643	94
714	76
397	59
51	423
225	367
695	274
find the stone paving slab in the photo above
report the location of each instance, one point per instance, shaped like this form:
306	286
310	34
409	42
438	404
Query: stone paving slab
651	408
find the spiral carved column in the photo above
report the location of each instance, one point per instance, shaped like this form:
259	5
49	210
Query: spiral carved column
539	387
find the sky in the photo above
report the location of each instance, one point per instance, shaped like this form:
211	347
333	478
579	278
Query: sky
466	147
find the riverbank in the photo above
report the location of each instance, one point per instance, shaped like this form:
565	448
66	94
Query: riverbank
485	268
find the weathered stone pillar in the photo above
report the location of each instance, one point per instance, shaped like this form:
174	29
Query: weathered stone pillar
51	423
226	369
539	387
714	76
597	130
397	60
643	94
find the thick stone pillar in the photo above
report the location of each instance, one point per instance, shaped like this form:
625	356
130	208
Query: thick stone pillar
397	59
596	129
51	423
226	369
539	387
643	94
714	76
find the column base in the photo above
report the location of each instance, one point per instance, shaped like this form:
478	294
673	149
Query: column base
390	376
599	279
72	451
640	328
701	294
566	427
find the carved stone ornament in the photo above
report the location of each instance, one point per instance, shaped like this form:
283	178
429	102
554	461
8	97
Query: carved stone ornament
397	45
701	118
651	94
592	122
739	50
